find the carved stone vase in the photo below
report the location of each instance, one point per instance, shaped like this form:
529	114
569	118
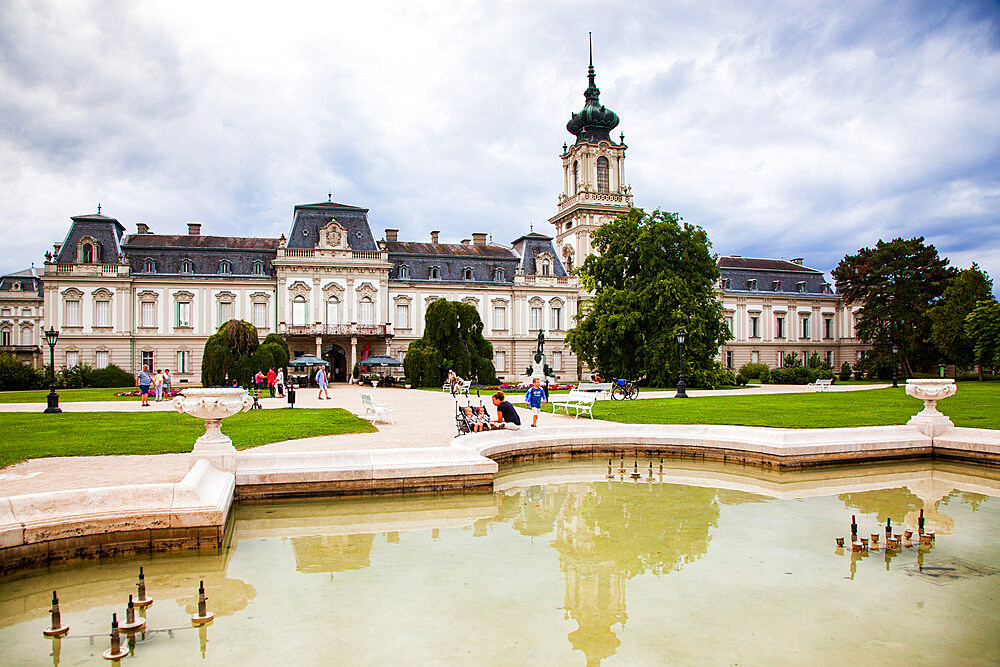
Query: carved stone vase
930	421
213	405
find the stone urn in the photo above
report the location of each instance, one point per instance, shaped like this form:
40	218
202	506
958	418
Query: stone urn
930	421
214	405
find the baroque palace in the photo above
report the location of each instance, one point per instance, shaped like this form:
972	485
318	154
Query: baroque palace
330	288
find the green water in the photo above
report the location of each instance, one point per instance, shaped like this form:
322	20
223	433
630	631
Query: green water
706	564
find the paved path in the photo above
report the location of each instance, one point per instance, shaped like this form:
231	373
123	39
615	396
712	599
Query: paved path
421	419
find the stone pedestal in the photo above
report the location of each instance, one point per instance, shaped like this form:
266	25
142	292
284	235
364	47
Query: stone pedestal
930	421
214	405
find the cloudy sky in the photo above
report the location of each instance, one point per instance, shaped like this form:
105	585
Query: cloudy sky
785	129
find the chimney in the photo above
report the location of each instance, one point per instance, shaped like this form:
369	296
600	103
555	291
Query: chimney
797	260
466	241
434	237
391	234
141	228
194	229
479	238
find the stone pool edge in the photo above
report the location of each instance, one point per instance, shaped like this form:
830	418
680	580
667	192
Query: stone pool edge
44	529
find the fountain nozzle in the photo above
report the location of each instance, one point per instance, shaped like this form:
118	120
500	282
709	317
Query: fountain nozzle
116	652
57	629
203	615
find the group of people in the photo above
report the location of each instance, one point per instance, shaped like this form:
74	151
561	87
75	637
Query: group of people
507	417
157	384
275	382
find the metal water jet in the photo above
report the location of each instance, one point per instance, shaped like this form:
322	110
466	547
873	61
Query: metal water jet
57	629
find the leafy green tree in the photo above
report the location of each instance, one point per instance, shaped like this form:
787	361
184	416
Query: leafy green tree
15	374
228	355
896	283
845	371
653	276
279	349
453	340
961	297
982	326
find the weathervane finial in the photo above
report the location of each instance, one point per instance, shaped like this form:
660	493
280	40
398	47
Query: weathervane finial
98	208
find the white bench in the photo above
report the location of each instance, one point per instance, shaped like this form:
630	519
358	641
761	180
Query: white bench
601	389
461	387
375	410
579	401
821	385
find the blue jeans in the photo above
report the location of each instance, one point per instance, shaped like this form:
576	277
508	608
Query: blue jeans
159	392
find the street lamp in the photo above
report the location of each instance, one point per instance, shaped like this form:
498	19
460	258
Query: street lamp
51	336
681	337
895	364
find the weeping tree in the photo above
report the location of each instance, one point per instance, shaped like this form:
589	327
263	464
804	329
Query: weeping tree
272	353
229	355
453	340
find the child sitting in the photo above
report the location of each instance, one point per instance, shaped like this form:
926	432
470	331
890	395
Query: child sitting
482	420
470	420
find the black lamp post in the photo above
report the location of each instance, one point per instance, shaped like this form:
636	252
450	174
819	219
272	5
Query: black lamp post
681	337
895	364
51	336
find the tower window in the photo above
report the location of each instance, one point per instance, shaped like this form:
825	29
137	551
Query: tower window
602	174
576	177
88	253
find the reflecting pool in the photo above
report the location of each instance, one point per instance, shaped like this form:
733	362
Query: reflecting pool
704	563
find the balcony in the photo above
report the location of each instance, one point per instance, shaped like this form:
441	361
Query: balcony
87	269
590	197
331	253
22	349
335	329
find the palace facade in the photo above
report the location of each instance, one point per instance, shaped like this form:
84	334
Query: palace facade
332	289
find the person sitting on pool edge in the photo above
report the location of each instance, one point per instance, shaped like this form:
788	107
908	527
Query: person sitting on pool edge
507	416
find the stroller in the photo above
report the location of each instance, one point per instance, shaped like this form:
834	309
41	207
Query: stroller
460	423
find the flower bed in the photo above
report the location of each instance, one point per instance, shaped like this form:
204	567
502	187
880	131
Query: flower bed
135	392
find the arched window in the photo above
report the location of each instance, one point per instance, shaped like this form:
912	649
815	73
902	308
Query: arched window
366	312
498	275
333	310
602	174
26	336
435	273
258	267
186	266
576	177
88	253
299	311
149	266
545	268
467	273
404	271
225	267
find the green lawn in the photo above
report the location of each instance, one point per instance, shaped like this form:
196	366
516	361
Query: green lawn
37	435
974	405
66	395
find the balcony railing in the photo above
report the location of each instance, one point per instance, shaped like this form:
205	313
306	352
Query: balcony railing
601	197
314	253
335	329
88	269
19	348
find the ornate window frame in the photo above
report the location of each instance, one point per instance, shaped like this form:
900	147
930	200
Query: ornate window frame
221	298
545	264
500	302
148	265
183	297
468	273
72	294
148	296
104	294
225	267
95	250
403	300
187	266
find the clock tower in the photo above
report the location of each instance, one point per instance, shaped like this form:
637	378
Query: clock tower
594	188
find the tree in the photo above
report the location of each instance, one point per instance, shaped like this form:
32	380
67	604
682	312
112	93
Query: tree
896	283
982	326
947	316
654	276
453	340
228	355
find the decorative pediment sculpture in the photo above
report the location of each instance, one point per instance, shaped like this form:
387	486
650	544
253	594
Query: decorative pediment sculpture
333	235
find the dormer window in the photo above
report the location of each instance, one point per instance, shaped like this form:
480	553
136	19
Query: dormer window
801	286
225	267
498	275
545	268
15	286
776	285
467	273
727	283
258	267
187	266
435	273
827	289
149	266
752	284
404	272
88	253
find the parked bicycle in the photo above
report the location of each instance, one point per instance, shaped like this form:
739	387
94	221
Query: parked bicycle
624	390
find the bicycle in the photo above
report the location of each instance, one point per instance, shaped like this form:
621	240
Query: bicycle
624	390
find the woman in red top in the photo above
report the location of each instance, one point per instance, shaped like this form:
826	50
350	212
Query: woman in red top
271	377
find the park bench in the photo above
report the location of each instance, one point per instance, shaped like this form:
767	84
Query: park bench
821	385
579	401
461	387
601	389
375	410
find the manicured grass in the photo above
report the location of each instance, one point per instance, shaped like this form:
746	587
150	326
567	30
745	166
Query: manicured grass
67	395
36	435
975	405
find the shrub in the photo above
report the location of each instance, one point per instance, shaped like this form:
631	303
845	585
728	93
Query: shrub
752	370
792	360
740	380
111	376
845	372
15	374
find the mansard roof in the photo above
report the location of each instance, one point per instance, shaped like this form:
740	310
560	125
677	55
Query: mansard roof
451	260
450	249
199	242
532	245
106	232
308	219
753	274
27	278
762	264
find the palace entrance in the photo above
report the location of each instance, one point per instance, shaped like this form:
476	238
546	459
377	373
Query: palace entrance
337	357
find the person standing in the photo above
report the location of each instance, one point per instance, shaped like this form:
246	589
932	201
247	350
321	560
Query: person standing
279	382
534	397
142	381
322	380
507	417
271	378
166	382
158	385
258	381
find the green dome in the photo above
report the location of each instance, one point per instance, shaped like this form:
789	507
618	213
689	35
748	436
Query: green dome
595	120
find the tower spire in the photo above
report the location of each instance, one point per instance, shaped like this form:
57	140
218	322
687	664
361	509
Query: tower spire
590	68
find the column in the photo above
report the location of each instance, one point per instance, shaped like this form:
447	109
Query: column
319	346
354	354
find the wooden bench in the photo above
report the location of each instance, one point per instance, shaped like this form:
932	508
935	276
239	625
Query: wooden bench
375	410
601	389
821	385
579	401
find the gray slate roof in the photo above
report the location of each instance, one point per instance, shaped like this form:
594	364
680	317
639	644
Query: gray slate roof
206	254
451	259
772	275
27	279
309	218
107	232
533	244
